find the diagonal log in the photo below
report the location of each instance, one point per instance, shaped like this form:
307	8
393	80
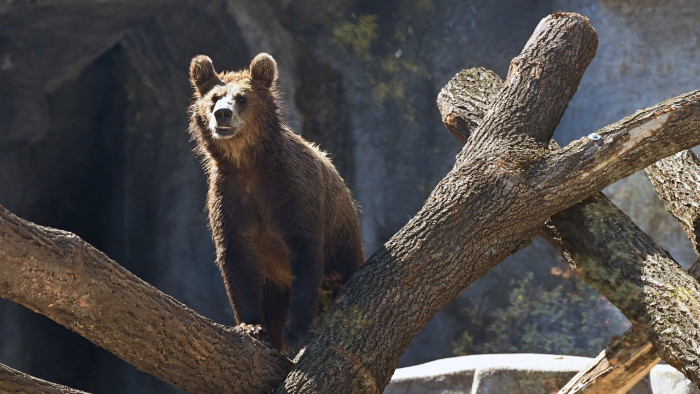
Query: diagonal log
630	357
676	180
654	292
13	381
503	187
59	275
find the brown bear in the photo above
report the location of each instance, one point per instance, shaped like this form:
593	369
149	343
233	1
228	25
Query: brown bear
282	218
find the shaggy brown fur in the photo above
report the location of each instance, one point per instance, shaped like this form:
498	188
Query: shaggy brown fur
280	214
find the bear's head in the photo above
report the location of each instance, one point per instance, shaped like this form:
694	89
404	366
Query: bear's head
232	108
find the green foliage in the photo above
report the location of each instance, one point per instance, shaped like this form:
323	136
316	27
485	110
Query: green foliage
357	37
384	51
570	318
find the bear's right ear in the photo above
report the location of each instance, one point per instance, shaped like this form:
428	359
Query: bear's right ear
202	74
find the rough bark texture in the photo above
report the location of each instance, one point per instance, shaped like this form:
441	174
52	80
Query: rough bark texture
57	274
636	275
464	100
677	179
13	381
503	187
630	357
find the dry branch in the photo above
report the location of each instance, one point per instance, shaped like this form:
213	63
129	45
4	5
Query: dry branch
59	275
630	357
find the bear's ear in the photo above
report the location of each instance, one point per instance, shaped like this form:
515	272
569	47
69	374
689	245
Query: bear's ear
263	69
202	74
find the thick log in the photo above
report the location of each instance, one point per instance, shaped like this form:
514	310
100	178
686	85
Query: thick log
59	275
676	180
463	102
503	187
13	381
630	357
654	292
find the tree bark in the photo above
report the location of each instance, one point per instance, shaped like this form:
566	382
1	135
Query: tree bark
504	186
676	180
636	275
463	102
630	357
57	274
13	381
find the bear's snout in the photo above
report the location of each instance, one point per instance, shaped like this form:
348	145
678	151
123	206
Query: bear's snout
222	121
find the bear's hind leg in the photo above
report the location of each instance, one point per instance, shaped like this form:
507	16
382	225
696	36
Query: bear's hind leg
275	307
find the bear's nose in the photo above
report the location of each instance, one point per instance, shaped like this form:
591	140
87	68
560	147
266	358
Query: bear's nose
223	115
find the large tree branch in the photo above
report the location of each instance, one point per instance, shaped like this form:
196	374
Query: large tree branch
13	381
636	275
676	179
630	357
503	187
57	274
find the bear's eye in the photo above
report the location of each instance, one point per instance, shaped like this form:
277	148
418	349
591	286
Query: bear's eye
240	100
216	97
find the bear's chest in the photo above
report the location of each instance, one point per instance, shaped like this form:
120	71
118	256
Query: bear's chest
263	220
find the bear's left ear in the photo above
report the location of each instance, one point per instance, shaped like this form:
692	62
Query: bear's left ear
202	74
263	69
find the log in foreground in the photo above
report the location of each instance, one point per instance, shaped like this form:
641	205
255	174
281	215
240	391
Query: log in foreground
13	381
59	275
502	189
677	178
620	366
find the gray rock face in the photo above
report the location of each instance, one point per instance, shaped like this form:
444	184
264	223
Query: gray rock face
517	373
93	100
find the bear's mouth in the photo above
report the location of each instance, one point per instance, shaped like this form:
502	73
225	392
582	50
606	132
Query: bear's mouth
224	131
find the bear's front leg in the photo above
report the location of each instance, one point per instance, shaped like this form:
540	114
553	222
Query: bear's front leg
307	271
243	283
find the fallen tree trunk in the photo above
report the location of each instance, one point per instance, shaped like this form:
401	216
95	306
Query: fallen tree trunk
59	275
652	290
463	103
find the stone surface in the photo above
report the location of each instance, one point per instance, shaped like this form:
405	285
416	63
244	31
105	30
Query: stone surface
517	373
